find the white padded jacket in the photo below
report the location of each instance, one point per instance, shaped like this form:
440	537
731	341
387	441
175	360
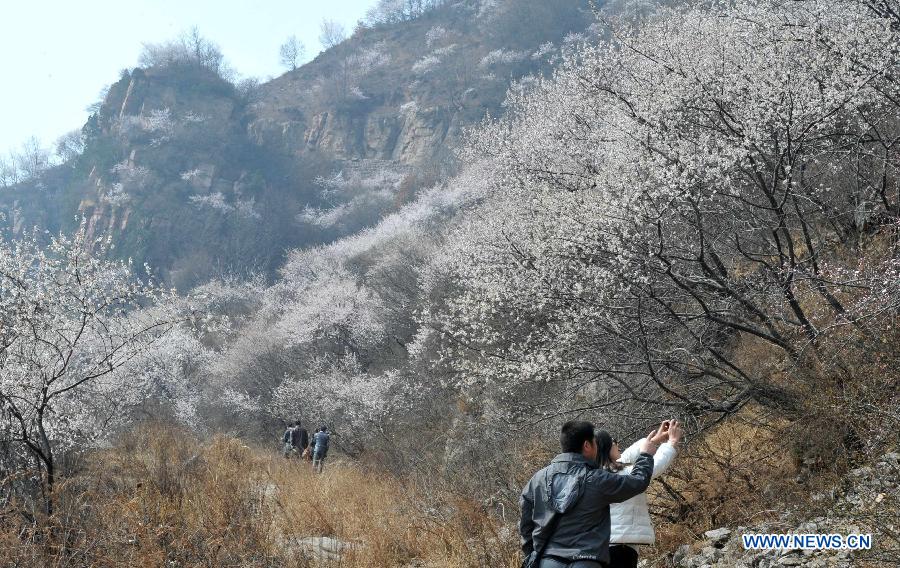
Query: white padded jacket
630	521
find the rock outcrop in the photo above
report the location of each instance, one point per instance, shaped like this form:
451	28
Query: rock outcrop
180	164
866	502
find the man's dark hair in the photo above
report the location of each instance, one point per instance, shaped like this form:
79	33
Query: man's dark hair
574	434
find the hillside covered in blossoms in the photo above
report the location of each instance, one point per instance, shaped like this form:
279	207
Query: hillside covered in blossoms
452	231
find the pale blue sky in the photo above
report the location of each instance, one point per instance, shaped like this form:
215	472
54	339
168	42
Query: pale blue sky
57	55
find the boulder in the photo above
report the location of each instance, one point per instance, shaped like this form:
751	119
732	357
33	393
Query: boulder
718	537
680	554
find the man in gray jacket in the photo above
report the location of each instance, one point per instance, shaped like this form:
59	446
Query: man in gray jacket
574	488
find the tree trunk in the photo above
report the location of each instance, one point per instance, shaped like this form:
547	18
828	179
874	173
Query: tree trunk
47	459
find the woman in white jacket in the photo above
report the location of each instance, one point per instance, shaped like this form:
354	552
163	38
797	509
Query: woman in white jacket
630	524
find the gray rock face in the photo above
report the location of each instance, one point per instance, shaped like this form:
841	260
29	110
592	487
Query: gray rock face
412	138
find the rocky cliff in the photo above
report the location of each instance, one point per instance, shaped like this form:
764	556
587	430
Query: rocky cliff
199	177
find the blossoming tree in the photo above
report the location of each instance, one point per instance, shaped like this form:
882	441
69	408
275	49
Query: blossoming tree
70	321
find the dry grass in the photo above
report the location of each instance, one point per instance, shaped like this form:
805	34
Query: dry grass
738	473
176	502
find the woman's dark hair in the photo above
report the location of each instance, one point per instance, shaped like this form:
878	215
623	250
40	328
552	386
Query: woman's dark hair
604	446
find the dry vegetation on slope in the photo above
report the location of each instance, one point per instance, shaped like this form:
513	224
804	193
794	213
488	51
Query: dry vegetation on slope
163	498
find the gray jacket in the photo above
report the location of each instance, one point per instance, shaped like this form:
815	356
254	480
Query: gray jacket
575	486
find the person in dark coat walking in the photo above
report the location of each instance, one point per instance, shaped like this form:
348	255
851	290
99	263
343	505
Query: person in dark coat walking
295	439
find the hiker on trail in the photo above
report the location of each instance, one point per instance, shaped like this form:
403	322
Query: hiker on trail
308	452
300	439
630	524
296	439
320	448
565	506
287	447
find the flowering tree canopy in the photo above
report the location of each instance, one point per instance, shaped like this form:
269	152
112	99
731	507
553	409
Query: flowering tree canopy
70	321
669	191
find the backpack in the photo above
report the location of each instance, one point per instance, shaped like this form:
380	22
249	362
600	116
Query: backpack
321	442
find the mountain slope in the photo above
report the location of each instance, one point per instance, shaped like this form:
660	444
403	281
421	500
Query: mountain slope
198	177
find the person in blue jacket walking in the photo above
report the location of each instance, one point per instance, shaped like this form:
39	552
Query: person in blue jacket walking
320	448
